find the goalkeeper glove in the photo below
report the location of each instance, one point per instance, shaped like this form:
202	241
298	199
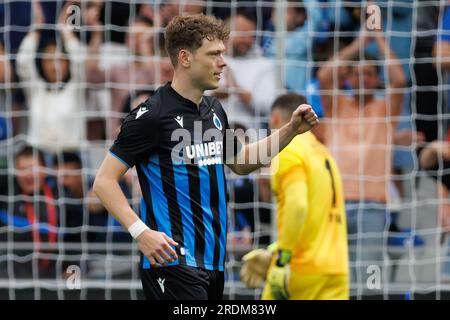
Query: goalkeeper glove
254	270
278	276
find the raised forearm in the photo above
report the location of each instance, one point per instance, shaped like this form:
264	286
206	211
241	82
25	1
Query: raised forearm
352	50
258	154
28	46
67	34
93	72
26	67
397	78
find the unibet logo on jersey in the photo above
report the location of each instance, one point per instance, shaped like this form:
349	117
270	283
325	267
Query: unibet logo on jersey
200	147
211	150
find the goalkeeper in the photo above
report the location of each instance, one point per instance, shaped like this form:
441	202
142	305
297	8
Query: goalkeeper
310	258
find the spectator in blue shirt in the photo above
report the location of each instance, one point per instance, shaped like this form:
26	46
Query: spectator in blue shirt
302	19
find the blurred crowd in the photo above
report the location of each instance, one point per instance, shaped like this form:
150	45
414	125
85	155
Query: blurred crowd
66	82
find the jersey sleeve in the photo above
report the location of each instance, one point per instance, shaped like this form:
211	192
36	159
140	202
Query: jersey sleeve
294	194
138	136
283	164
289	182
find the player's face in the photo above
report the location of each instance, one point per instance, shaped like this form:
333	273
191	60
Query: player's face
207	64
30	175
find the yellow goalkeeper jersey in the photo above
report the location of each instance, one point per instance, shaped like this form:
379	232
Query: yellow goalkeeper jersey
309	172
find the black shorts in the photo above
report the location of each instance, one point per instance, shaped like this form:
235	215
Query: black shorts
182	283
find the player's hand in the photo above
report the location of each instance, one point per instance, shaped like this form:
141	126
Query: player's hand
254	270
156	246
303	118
277	279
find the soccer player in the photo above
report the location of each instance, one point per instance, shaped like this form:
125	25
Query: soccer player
311	252
183	213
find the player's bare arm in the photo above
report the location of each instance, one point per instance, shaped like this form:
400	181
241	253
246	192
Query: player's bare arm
396	79
302	120
153	244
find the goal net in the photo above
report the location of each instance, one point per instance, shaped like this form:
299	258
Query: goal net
70	73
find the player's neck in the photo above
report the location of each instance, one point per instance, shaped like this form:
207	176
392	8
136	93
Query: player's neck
186	89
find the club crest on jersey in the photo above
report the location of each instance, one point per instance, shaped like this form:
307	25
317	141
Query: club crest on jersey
217	122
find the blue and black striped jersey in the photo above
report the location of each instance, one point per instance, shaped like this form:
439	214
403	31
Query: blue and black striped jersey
179	150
